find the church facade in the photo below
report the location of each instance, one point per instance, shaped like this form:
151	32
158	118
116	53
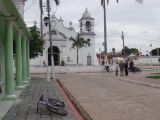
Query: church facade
63	54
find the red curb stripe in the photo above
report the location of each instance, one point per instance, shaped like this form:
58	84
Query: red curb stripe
70	105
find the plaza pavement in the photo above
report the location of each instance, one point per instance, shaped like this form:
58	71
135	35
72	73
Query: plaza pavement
25	106
105	97
95	91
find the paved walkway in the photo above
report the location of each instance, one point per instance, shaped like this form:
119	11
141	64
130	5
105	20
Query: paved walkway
25	109
105	98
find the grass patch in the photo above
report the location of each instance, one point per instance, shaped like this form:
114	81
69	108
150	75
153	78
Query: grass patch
154	77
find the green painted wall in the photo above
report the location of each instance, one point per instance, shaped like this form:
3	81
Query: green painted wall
2	53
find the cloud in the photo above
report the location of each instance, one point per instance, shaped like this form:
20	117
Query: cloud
140	22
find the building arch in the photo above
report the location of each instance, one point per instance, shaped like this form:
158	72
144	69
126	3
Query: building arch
56	54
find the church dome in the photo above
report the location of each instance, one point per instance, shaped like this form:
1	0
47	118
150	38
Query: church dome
86	15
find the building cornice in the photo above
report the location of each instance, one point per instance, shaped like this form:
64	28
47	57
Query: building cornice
11	10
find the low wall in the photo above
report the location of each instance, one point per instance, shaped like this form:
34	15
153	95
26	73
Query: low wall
149	60
67	69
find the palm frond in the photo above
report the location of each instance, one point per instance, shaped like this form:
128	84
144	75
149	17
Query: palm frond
79	42
73	46
72	39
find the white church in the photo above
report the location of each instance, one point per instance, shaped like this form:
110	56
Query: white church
62	45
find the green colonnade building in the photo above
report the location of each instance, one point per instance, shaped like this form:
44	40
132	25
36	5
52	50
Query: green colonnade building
13	30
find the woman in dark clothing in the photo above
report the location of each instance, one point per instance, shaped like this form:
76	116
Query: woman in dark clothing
126	68
131	66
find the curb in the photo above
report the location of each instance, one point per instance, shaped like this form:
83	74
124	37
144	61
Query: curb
139	83
79	108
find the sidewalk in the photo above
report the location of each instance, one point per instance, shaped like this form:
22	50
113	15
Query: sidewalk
142	77
25	109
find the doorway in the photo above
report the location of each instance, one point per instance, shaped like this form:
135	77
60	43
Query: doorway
56	55
88	60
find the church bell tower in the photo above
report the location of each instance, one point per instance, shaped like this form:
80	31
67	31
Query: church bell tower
86	23
87	32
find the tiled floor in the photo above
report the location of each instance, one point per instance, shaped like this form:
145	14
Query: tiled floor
26	108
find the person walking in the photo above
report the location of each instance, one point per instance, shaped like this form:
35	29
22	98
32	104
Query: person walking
117	68
44	64
131	66
126	68
121	66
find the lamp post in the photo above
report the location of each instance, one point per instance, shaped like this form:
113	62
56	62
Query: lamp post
47	21
122	36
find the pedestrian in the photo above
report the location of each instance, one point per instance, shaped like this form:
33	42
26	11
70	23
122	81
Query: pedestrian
131	66
121	66
117	68
126	68
44	64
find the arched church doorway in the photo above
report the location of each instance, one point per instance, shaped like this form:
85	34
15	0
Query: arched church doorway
56	54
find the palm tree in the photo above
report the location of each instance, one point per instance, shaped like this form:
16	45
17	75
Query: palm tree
78	43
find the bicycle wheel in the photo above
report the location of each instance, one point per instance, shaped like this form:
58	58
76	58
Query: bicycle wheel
57	110
56	102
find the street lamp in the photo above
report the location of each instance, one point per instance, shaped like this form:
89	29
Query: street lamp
46	21
122	36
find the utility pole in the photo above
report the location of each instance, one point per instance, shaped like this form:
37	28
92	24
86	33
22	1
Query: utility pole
50	38
122	36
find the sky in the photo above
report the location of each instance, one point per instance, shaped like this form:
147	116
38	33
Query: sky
139	22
